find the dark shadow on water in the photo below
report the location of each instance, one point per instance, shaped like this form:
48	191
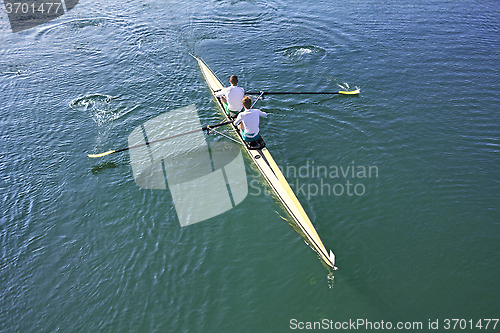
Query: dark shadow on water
96	169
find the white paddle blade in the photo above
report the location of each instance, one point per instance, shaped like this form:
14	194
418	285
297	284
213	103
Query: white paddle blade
332	259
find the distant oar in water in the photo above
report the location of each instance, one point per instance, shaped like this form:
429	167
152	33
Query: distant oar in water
341	92
205	128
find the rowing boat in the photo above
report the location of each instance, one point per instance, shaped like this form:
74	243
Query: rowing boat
269	169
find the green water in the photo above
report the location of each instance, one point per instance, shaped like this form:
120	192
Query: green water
84	249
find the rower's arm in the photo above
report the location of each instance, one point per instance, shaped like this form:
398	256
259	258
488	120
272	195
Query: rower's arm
221	92
237	120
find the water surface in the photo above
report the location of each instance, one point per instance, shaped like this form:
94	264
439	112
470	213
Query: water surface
85	249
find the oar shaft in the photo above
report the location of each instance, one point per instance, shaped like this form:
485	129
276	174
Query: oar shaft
257	99
159	140
303	92
205	128
216	125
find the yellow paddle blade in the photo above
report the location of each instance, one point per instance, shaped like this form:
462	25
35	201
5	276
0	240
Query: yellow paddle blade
353	92
101	154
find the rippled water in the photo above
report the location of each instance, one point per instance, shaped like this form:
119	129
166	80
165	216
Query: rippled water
84	248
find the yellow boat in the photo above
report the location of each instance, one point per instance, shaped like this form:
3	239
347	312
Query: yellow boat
269	169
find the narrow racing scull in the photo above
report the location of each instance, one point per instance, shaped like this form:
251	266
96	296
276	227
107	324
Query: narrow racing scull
274	177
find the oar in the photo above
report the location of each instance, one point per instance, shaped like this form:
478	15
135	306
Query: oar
205	128
341	92
260	97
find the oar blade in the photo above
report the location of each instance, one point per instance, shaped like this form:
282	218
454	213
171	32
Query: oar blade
352	92
101	154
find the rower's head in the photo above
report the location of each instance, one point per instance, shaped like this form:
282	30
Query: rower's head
234	80
247	102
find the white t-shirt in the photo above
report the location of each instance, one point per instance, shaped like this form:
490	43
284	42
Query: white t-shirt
234	95
250	119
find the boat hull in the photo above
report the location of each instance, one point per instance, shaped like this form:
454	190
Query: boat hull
274	177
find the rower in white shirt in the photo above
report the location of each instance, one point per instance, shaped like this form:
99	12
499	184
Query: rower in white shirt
232	96
248	121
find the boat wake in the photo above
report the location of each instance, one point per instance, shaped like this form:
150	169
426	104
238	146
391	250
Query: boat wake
103	109
303	52
331	280
100	107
